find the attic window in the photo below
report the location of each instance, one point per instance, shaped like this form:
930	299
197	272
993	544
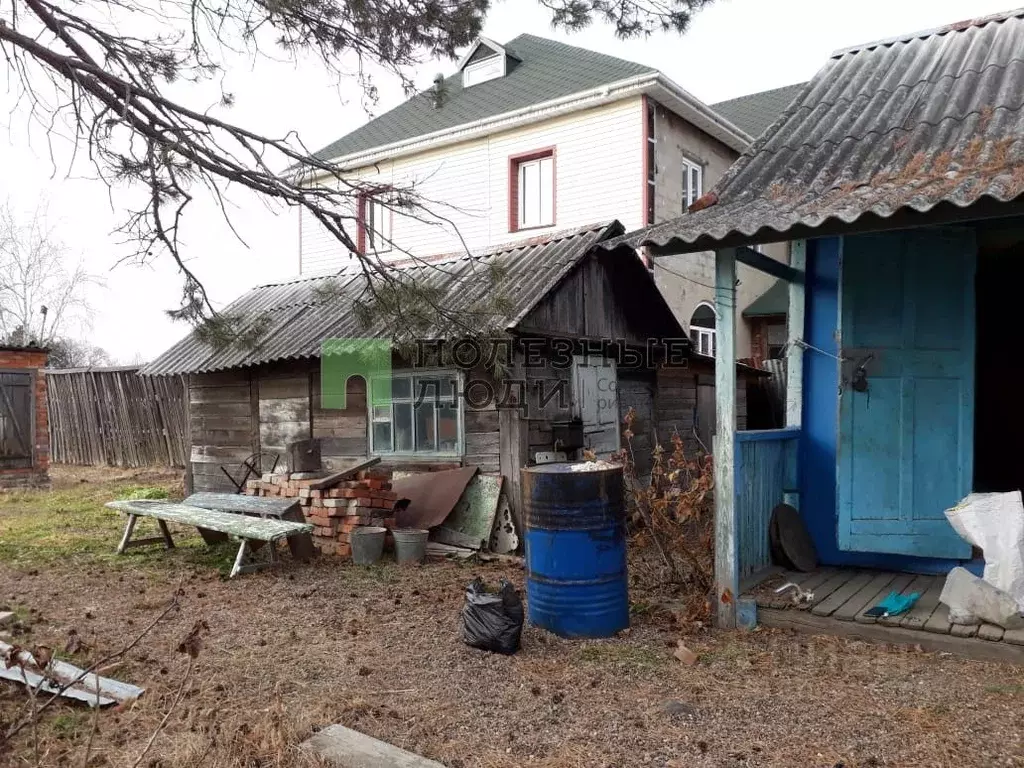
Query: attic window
490	68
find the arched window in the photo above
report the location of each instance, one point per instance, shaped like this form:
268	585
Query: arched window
702	329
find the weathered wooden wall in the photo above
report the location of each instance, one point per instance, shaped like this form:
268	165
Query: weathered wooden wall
342	432
636	391
114	417
285	407
676	404
223	426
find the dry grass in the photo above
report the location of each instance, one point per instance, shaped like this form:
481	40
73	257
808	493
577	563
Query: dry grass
378	650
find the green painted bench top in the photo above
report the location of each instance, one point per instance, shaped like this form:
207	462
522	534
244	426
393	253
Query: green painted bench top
239	526
249	505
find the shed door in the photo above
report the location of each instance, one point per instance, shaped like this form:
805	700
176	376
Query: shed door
15	420
906	423
596	402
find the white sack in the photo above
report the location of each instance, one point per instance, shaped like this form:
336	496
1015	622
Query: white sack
994	522
965	593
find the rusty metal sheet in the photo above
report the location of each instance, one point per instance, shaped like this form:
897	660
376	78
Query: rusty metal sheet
432	496
90	688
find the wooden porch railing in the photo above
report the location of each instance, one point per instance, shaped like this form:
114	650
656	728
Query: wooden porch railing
765	470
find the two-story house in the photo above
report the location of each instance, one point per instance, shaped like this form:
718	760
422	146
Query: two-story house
535	136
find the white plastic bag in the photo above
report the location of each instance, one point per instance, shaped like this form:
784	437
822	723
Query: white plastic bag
967	595
994	522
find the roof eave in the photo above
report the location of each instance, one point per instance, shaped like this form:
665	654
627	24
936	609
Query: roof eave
688	106
605	94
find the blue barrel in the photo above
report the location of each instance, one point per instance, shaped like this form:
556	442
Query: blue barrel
575	520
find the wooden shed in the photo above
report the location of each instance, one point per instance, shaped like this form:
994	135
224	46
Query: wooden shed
587	335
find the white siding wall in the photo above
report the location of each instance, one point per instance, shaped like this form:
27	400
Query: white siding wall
598	177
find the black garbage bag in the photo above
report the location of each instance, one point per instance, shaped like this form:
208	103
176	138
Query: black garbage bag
492	621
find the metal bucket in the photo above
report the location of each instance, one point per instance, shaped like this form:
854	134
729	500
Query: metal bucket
410	545
367	545
575	517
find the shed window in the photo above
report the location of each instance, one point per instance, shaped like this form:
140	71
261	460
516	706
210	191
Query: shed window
693	183
424	415
374	223
532	190
702	330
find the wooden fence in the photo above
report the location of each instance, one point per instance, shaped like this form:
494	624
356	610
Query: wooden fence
115	417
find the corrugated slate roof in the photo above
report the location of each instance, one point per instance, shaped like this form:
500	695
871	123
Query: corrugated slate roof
542	70
899	125
294	318
755	112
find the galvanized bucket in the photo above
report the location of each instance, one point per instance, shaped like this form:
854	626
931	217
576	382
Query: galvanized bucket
410	545
367	545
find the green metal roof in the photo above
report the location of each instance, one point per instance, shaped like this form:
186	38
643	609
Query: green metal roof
774	301
540	70
756	111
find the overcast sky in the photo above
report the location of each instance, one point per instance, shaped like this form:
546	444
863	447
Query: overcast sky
733	48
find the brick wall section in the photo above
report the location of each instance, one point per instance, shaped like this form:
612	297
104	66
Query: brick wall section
366	500
30	360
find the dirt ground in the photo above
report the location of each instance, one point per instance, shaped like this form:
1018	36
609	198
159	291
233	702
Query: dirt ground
378	649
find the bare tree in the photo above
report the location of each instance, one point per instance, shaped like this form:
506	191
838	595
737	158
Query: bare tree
43	287
100	71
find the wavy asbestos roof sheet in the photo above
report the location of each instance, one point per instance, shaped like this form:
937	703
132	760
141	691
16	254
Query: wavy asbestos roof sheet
296	317
897	125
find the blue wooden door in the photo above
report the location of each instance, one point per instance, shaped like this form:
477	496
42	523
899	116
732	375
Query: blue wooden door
906	419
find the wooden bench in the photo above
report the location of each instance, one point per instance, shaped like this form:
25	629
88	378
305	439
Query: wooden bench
281	508
247	529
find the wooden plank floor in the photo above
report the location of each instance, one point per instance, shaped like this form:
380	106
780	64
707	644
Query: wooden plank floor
842	595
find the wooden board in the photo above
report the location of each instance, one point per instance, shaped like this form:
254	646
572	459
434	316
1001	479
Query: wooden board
804	621
864	597
344	474
898	584
990	632
938	622
919	584
923	609
830	585
827	606
963	630
1015	636
234	502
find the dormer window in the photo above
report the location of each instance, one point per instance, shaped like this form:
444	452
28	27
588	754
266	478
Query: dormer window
490	68
486	60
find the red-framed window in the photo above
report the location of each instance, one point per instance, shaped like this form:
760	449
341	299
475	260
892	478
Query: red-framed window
531	190
375	222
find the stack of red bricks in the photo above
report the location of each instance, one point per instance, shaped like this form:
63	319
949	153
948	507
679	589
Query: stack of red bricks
365	500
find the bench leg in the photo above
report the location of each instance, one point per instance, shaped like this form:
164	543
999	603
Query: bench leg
243	560
127	542
166	533
129	528
240	558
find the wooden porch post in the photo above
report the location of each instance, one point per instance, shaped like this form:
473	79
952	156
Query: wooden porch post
795	352
726	564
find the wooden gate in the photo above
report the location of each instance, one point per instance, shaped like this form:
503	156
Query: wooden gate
16	428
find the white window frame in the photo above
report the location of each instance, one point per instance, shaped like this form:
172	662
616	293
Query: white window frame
377	240
545	213
692	192
703	338
373	417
